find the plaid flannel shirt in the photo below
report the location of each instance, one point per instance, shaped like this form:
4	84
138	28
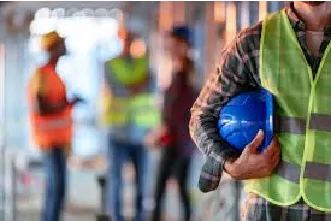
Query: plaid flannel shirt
237	70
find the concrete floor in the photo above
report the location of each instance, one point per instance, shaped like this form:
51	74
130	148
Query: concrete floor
83	200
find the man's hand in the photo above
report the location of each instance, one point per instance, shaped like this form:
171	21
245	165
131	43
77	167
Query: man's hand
153	138
253	164
149	140
77	100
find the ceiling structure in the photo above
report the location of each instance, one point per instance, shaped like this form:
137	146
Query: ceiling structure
142	10
35	5
141	15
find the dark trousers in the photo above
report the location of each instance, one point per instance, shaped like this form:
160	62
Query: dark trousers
55	166
119	153
172	162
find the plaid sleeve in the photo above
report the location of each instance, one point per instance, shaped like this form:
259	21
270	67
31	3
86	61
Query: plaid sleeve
236	71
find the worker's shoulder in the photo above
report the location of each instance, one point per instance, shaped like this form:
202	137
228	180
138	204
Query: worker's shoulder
40	73
250	35
246	42
37	71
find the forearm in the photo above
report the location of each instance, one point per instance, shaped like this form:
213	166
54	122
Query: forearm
220	87
236	71
204	131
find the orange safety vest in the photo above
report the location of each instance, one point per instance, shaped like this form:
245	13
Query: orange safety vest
54	129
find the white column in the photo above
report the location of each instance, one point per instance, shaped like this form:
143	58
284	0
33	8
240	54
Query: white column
2	121
231	21
210	38
2	86
16	71
244	11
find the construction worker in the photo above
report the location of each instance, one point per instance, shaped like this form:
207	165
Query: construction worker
130	112
288	54
50	113
173	134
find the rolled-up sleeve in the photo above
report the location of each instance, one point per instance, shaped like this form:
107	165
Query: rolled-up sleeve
236	71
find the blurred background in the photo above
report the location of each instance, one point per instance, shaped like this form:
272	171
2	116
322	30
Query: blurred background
91	31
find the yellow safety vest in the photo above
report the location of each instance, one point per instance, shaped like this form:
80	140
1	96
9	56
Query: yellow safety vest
303	115
142	109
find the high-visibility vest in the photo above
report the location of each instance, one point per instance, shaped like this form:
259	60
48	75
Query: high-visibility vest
303	115
142	109
52	129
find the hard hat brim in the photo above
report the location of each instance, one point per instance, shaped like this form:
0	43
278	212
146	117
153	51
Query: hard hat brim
269	117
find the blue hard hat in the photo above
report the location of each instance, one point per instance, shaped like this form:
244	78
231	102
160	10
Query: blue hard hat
183	32
244	115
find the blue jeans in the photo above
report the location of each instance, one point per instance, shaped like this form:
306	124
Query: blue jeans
55	166
118	153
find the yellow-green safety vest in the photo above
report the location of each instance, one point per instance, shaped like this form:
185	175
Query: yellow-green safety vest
141	109
303	115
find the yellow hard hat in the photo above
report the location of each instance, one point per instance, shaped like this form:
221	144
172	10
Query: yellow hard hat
50	39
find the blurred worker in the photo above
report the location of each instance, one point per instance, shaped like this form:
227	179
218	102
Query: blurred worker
173	135
288	54
51	120
130	113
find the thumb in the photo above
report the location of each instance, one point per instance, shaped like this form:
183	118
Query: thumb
256	142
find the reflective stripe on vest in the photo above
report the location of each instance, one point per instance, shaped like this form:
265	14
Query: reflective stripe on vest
317	171
303	119
320	122
147	113
54	124
294	125
289	171
142	110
